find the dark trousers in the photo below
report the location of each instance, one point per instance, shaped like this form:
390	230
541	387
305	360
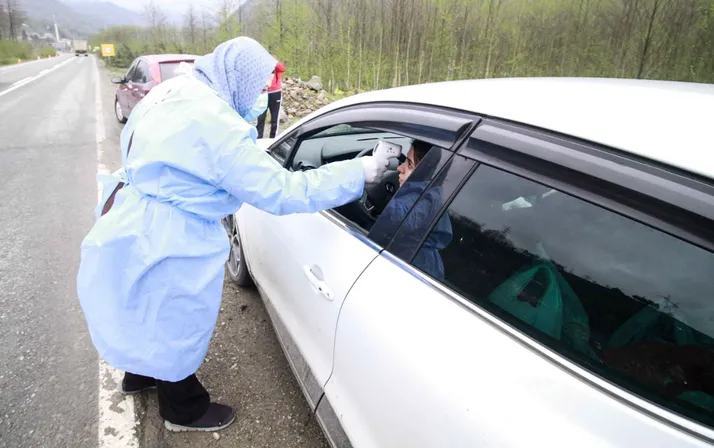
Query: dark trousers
274	100
181	402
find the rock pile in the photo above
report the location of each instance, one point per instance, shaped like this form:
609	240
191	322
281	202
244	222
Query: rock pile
301	98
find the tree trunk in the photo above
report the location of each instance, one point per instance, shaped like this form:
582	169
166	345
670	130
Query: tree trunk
409	44
648	39
463	41
379	58
349	48
11	19
280	22
396	67
359	69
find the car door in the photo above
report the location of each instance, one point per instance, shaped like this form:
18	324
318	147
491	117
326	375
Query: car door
555	317
306	263
138	87
124	89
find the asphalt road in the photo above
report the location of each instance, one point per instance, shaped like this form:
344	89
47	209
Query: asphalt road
48	367
12	74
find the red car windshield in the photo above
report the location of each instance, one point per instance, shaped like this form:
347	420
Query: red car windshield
168	69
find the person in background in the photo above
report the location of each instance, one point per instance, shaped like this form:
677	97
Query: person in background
151	274
275	99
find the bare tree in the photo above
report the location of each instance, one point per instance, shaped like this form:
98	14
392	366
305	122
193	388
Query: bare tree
190	27
157	22
651	16
376	43
205	29
227	17
15	17
4	25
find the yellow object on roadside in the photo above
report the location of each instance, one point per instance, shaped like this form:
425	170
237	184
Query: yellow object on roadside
108	50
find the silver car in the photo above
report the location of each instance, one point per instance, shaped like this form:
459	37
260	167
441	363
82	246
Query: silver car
538	271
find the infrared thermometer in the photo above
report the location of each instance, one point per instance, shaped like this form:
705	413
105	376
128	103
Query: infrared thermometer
388	151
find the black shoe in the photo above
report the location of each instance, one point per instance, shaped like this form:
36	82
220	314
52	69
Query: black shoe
217	417
133	384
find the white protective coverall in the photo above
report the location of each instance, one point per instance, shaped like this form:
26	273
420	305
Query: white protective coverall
151	275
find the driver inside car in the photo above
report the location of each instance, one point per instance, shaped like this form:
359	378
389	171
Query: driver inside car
417	222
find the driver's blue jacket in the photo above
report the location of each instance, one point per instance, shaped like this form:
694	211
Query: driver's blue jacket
415	224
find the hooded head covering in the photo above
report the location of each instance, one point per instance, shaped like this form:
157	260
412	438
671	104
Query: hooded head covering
237	70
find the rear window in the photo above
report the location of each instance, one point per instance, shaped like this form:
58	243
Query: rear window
169	69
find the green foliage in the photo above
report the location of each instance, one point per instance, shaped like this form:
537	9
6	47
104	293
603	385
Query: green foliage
367	44
11	51
45	52
377	44
228	25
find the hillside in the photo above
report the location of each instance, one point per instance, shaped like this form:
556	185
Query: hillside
79	19
108	14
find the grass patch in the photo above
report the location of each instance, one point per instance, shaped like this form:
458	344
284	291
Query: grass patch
11	51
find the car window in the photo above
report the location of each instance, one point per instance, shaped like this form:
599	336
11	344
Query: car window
281	151
412	211
344	142
130	72
342	129
168	69
630	302
141	74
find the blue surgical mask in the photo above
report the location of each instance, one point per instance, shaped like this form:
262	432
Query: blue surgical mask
260	106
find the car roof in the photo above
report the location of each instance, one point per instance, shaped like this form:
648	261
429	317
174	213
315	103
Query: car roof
159	58
665	121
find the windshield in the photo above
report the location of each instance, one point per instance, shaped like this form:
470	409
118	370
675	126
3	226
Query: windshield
342	129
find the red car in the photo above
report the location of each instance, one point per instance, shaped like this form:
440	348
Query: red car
143	74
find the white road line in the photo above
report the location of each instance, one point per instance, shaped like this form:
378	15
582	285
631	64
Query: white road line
99	113
32	78
117	417
117	414
22	81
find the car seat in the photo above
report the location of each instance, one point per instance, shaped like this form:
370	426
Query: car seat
670	356
540	297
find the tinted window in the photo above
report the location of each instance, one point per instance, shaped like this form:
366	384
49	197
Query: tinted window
130	73
628	301
450	171
141	74
168	69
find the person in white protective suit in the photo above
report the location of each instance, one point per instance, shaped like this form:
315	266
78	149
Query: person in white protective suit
151	274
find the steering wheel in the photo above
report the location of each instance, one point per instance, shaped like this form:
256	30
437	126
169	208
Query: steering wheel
376	196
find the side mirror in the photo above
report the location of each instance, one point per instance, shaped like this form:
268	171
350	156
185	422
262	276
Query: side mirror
118	80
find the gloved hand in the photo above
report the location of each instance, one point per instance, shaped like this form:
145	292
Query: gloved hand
374	167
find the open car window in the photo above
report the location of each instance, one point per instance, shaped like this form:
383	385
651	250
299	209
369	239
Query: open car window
326	147
345	142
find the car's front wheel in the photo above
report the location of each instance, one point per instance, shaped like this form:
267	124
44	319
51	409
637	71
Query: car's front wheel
236	264
118	112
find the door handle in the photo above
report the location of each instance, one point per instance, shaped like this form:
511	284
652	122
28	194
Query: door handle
318	284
